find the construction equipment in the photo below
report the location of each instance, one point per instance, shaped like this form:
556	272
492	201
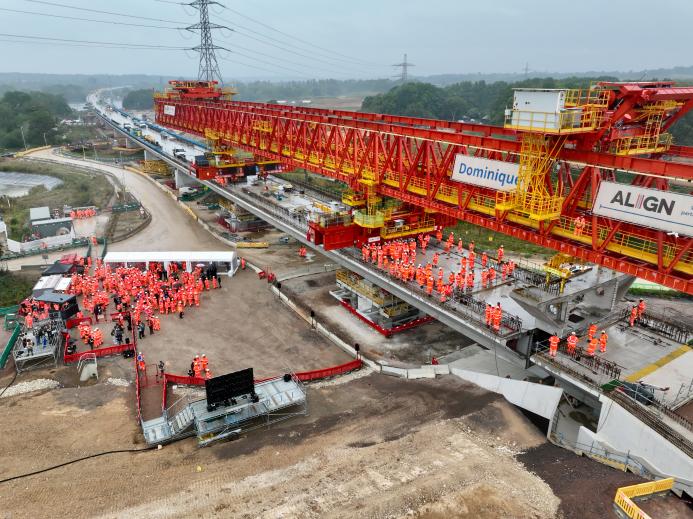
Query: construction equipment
554	163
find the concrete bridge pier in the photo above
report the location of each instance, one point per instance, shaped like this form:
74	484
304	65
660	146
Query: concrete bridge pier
182	179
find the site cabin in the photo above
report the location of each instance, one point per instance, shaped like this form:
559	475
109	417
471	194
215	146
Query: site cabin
63	306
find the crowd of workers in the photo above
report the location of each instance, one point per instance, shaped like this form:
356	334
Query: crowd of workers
593	341
398	258
139	298
81	214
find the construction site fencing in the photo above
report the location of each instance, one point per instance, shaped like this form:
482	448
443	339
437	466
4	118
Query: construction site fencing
9	310
304	376
76	321
99	352
624	495
10	344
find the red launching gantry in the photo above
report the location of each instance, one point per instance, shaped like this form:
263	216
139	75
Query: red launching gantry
590	173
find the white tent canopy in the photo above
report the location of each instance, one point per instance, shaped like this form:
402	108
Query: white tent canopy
191	258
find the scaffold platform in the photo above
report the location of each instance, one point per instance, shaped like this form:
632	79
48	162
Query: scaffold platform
278	399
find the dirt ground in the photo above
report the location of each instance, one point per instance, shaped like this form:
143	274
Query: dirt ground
411	347
371	446
587	488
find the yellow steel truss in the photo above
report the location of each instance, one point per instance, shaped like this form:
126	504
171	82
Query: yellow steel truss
532	197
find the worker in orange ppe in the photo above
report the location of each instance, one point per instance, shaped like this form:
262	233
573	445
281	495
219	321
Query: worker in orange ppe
484	278
204	362
484	260
471	259
471	246
580	223
180	309
553	345
501	252
29	321
591	331
242	263
504	271
572	343
208	374
460	247
429	285
491	275
196	365
603	338
443	298
439	235
633	315
641	308
592	347
489	315
497	318
435	259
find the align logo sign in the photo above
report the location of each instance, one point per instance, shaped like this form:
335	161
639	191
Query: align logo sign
169	110
670	212
494	174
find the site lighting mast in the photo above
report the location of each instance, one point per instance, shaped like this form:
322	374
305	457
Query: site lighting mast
209	67
404	76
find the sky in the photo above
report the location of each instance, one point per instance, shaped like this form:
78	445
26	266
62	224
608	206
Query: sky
301	39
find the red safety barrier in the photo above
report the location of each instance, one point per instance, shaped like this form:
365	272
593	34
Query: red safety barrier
99	352
76	321
138	392
387	332
307	376
303	376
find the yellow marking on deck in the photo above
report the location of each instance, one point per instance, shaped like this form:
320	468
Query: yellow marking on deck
638	375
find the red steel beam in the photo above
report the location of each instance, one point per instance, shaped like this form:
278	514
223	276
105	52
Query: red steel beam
344	147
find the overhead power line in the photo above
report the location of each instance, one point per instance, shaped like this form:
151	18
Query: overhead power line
118	43
305	42
113	22
112	13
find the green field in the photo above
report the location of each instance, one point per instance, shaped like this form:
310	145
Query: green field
78	189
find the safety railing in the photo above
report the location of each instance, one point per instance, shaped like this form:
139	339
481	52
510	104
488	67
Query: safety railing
10	344
371	221
624	496
9	310
569	120
69	358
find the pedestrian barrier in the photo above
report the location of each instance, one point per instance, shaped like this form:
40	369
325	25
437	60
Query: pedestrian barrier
8	347
76	321
99	352
303	376
624	496
9	310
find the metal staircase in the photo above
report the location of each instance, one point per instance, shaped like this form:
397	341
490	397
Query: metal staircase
176	422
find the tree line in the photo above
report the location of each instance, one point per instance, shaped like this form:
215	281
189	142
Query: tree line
36	114
481	101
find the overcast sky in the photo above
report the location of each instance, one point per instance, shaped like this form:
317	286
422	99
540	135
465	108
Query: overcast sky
356	38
